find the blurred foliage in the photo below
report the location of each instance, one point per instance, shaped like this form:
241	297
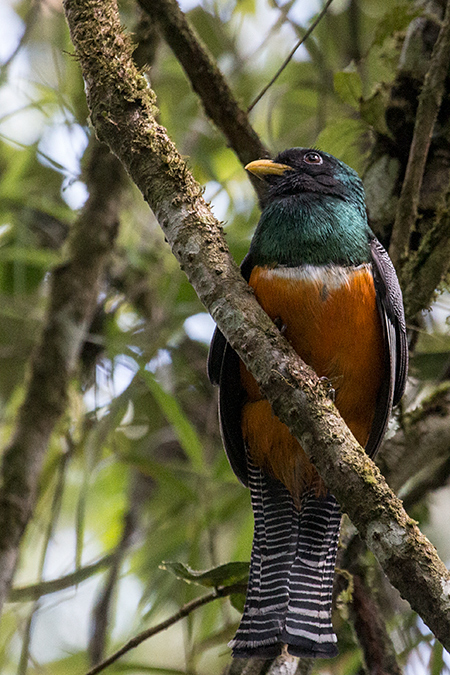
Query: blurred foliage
136	467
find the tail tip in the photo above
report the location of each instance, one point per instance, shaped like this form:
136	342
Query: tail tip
318	651
313	650
261	652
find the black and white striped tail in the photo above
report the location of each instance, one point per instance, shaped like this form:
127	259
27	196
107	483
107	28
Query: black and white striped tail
291	573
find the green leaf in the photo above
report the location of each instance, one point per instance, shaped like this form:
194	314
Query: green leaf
344	140
238	601
39	257
437	663
224	575
373	110
183	428
35	591
348	86
246	7
397	18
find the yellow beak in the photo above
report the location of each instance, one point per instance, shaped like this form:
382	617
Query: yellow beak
265	167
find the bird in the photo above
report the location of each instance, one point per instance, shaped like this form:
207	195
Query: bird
328	284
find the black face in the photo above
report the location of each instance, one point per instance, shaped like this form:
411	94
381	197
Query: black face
314	171
298	157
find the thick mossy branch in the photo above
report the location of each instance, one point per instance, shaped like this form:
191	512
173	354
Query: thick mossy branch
123	116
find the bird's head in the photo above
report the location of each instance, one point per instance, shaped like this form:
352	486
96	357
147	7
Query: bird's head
315	211
299	171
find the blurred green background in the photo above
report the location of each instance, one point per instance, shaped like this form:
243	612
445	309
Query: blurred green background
135	473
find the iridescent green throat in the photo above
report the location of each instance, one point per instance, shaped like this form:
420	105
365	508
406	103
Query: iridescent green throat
311	229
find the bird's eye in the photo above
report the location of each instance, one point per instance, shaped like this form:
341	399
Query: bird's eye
313	158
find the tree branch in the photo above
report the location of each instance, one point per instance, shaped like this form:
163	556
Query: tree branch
425	268
367	617
416	459
290	55
139	495
73	296
122	110
209	83
184	611
429	104
370	627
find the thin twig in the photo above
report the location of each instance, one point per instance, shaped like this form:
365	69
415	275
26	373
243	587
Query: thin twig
184	611
51	525
429	104
101	612
290	55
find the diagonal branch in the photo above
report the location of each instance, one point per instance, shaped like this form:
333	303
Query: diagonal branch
73	297
289	57
370	628
208	82
429	104
188	608
123	112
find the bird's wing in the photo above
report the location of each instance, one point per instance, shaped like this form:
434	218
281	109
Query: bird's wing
390	307
224	370
215	357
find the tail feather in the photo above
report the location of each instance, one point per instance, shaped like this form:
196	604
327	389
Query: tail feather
291	573
308	629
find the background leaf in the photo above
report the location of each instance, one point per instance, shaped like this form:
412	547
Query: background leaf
223	575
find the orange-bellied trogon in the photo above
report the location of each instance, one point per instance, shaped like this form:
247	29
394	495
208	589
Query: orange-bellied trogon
321	275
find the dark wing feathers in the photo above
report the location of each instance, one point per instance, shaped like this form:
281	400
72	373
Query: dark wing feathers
390	294
390	307
223	369
231	400
215	356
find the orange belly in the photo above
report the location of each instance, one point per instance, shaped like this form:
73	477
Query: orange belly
331	320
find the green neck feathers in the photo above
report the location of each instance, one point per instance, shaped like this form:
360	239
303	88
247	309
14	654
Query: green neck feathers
311	229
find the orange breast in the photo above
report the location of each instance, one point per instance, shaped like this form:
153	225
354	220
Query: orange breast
331	320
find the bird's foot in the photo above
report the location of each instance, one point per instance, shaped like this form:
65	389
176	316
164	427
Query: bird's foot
280	325
331	391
